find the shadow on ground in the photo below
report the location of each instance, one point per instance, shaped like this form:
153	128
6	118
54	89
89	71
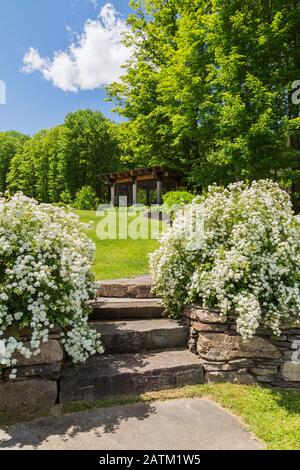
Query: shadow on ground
103	421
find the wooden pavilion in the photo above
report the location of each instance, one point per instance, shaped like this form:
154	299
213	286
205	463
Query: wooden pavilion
142	185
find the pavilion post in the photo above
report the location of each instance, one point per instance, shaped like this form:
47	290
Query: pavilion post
113	193
159	192
134	191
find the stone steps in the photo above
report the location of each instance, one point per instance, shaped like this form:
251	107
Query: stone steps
109	308
140	335
120	374
143	350
139	287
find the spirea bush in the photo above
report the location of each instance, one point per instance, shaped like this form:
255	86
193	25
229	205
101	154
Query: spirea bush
238	249
45	279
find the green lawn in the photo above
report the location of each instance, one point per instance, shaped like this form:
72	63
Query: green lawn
118	258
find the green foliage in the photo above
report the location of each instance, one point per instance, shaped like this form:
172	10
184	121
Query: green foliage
90	148
60	204
178	198
66	198
86	199
56	163
208	88
10	144
37	169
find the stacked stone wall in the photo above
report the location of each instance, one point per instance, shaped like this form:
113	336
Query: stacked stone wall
37	378
265	359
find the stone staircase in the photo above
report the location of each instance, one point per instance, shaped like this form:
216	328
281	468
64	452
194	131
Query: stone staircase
143	350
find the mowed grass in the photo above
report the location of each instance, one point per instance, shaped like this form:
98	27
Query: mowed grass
273	416
119	258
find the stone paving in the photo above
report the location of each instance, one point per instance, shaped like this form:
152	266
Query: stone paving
182	424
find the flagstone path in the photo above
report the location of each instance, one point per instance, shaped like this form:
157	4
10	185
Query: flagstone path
182	424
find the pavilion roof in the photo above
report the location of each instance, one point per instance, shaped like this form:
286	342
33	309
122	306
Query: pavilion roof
152	172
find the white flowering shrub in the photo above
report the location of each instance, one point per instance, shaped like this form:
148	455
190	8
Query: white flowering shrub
238	249
45	279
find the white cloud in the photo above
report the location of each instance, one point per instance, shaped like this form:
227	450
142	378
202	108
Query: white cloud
94	3
94	60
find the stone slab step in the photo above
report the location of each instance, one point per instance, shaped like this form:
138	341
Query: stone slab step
140	335
139	287
106	376
107	308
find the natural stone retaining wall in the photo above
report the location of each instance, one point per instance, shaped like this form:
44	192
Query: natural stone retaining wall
223	354
265	359
36	384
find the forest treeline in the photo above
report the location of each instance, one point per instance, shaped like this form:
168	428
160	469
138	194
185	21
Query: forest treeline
54	164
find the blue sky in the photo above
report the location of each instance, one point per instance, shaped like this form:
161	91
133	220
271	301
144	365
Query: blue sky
39	29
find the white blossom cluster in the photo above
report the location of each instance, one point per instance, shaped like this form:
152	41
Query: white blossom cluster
45	279
246	258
